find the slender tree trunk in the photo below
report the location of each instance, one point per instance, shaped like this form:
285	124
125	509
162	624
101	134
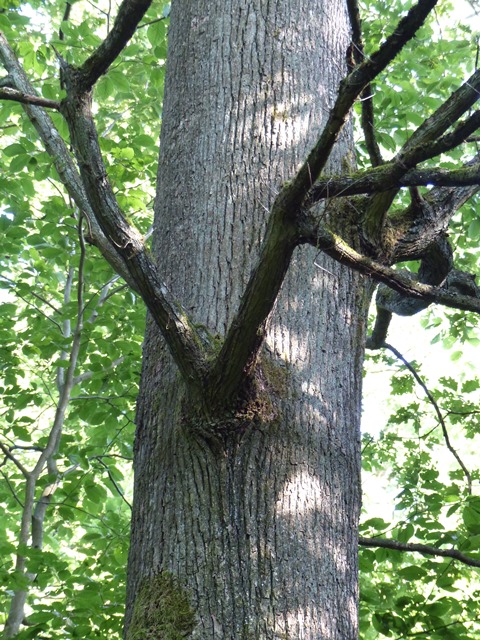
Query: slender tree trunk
259	526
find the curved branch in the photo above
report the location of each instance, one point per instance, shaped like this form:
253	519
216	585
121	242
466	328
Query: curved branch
413	547
339	250
440	418
129	15
8	454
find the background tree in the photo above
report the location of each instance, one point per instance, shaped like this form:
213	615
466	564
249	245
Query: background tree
251	454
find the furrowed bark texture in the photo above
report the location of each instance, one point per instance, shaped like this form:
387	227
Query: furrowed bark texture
259	527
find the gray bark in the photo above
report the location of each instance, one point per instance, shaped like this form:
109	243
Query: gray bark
259	525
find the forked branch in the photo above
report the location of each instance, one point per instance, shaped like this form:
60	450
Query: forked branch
350	88
246	332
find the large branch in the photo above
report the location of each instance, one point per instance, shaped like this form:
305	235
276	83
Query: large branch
413	547
380	179
432	219
335	247
182	338
246	333
121	245
129	15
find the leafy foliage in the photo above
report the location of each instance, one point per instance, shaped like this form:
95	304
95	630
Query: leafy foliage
406	595
79	573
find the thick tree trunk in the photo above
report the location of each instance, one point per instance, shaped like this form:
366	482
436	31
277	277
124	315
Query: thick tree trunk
259	527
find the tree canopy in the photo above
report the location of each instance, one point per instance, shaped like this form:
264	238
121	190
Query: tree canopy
71	327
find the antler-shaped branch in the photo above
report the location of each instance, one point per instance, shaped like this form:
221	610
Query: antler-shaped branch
246	332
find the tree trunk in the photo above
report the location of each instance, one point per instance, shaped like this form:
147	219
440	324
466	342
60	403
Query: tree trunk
252	534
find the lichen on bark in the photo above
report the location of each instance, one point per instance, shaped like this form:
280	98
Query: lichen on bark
162	610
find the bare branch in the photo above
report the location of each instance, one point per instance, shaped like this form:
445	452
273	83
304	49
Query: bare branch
339	250
17	96
181	336
122	246
65	18
118	489
440	418
453	139
379	179
449	112
366	97
418	548
8	454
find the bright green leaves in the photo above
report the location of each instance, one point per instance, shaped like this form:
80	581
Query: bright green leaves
428	503
471	518
406	456
416	83
79	592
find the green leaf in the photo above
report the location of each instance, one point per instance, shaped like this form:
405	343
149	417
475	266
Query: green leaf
474	229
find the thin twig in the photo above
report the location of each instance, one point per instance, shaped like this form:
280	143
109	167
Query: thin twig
118	489
434	403
12	490
10	456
